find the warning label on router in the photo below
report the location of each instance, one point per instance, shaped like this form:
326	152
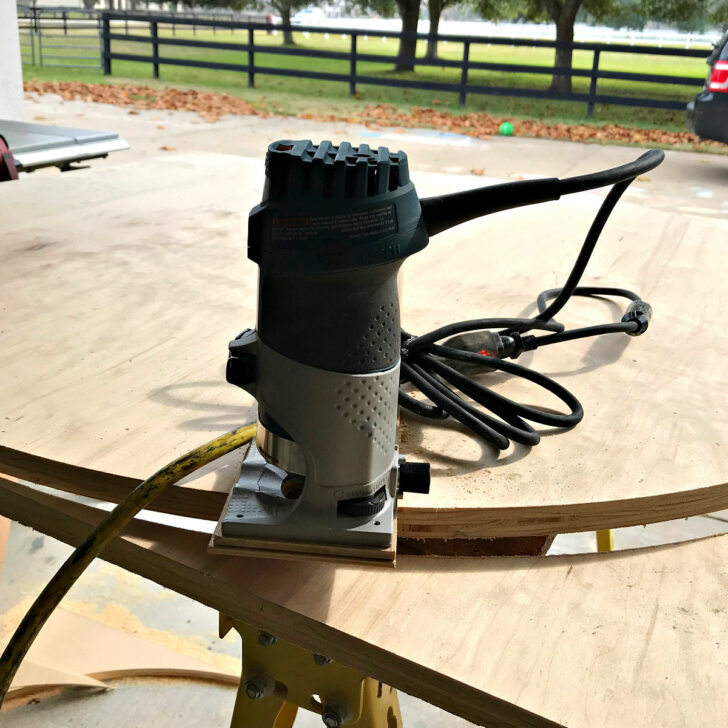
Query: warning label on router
365	224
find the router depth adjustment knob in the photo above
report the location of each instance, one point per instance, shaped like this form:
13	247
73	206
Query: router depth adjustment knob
363	507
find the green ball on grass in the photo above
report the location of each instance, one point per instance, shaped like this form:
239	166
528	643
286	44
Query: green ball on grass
506	129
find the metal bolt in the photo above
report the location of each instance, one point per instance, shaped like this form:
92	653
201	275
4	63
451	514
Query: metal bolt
267	639
321	660
252	690
331	718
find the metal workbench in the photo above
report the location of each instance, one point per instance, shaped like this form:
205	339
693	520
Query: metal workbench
42	145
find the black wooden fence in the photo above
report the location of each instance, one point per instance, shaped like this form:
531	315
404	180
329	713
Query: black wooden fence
114	22
53	16
65	37
70	37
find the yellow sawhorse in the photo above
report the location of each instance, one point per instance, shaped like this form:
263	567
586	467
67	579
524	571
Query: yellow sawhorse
278	678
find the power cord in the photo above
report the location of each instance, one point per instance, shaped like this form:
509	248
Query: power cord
438	370
109	528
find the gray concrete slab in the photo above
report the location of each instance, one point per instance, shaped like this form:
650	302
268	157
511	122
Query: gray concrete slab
160	703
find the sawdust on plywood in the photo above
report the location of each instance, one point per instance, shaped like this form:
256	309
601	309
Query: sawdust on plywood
121	618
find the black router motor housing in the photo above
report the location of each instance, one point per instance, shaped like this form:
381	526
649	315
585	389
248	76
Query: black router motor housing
329	236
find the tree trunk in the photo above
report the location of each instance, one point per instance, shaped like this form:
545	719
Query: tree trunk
563	56
286	21
435	8
409	11
563	13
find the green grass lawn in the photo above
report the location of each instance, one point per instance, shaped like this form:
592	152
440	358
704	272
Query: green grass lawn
293	95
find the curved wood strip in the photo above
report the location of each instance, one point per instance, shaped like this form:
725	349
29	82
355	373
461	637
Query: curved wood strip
203	496
35	677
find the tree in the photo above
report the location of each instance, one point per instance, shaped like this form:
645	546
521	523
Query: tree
563	14
284	8
409	11
435	8
718	13
628	14
675	11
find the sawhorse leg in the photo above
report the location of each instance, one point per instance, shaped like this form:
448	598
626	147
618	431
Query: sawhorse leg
268	712
279	678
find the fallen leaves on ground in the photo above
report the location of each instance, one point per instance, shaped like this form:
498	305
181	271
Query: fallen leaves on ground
213	106
482	125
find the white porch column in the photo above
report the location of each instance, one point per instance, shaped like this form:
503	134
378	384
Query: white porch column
11	70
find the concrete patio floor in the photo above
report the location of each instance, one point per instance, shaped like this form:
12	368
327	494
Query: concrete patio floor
693	184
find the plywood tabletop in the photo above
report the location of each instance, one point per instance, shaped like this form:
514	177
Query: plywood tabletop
120	289
627	639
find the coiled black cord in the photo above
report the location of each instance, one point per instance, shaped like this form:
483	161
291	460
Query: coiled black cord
437	370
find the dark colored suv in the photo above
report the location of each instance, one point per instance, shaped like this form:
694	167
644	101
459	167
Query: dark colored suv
708	114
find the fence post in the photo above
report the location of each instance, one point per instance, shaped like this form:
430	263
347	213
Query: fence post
352	66
464	74
155	47
126	24
39	33
106	45
593	84
31	36
65	22
100	32
251	58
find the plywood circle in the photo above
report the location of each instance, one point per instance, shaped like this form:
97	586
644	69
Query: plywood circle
121	287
